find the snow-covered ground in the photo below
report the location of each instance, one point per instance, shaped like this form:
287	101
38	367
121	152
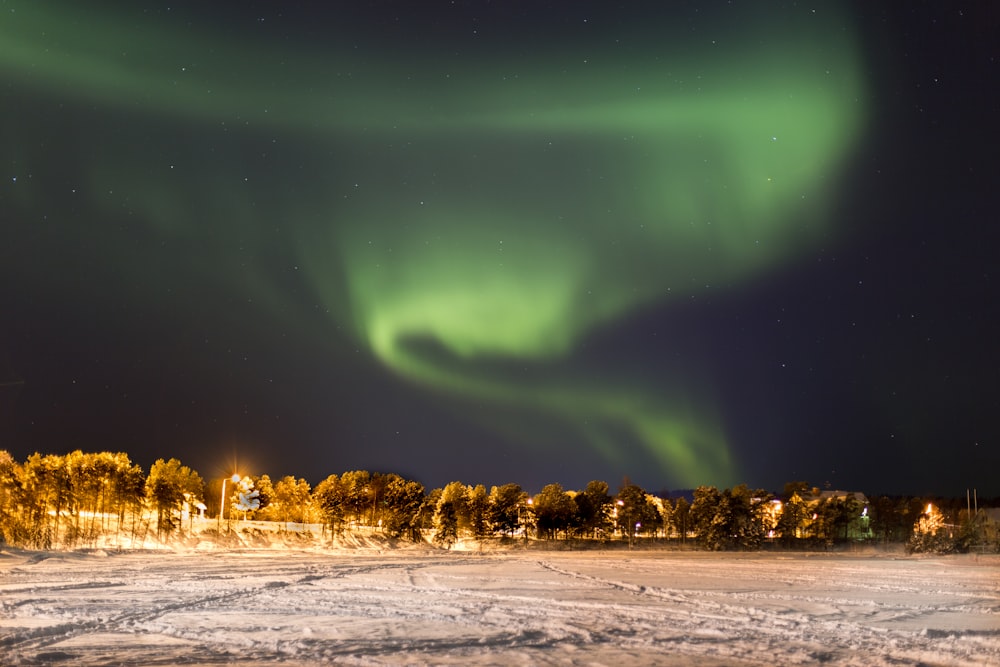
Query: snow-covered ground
422	606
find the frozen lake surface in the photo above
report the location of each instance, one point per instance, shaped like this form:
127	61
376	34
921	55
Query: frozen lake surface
419	606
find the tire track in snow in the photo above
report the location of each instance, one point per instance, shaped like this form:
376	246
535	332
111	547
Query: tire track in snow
20	644
440	593
513	608
793	637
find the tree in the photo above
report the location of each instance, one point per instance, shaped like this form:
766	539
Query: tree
104	486
744	516
290	501
890	519
554	511
46	486
847	519
593	506
375	494
479	504
85	483
450	511
506	505
794	513
636	513
359	497
932	535
681	517
734	518
404	499
265	495
8	480
166	486
833	518
330	498
703	517
129	493
13	528
429	508
666	509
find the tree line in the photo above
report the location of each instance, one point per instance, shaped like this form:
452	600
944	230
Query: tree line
80	498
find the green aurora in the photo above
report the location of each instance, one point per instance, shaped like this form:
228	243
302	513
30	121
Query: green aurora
495	213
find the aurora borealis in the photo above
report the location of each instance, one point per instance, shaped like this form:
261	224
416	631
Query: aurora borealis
460	241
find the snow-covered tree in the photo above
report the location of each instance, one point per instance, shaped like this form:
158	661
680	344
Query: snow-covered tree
247	496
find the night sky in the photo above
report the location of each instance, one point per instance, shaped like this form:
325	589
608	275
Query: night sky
688	242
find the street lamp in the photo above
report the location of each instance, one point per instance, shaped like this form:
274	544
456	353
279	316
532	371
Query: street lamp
222	501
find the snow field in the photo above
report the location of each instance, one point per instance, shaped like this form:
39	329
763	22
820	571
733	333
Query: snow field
420	606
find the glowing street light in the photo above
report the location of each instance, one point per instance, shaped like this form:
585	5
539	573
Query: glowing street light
222	501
